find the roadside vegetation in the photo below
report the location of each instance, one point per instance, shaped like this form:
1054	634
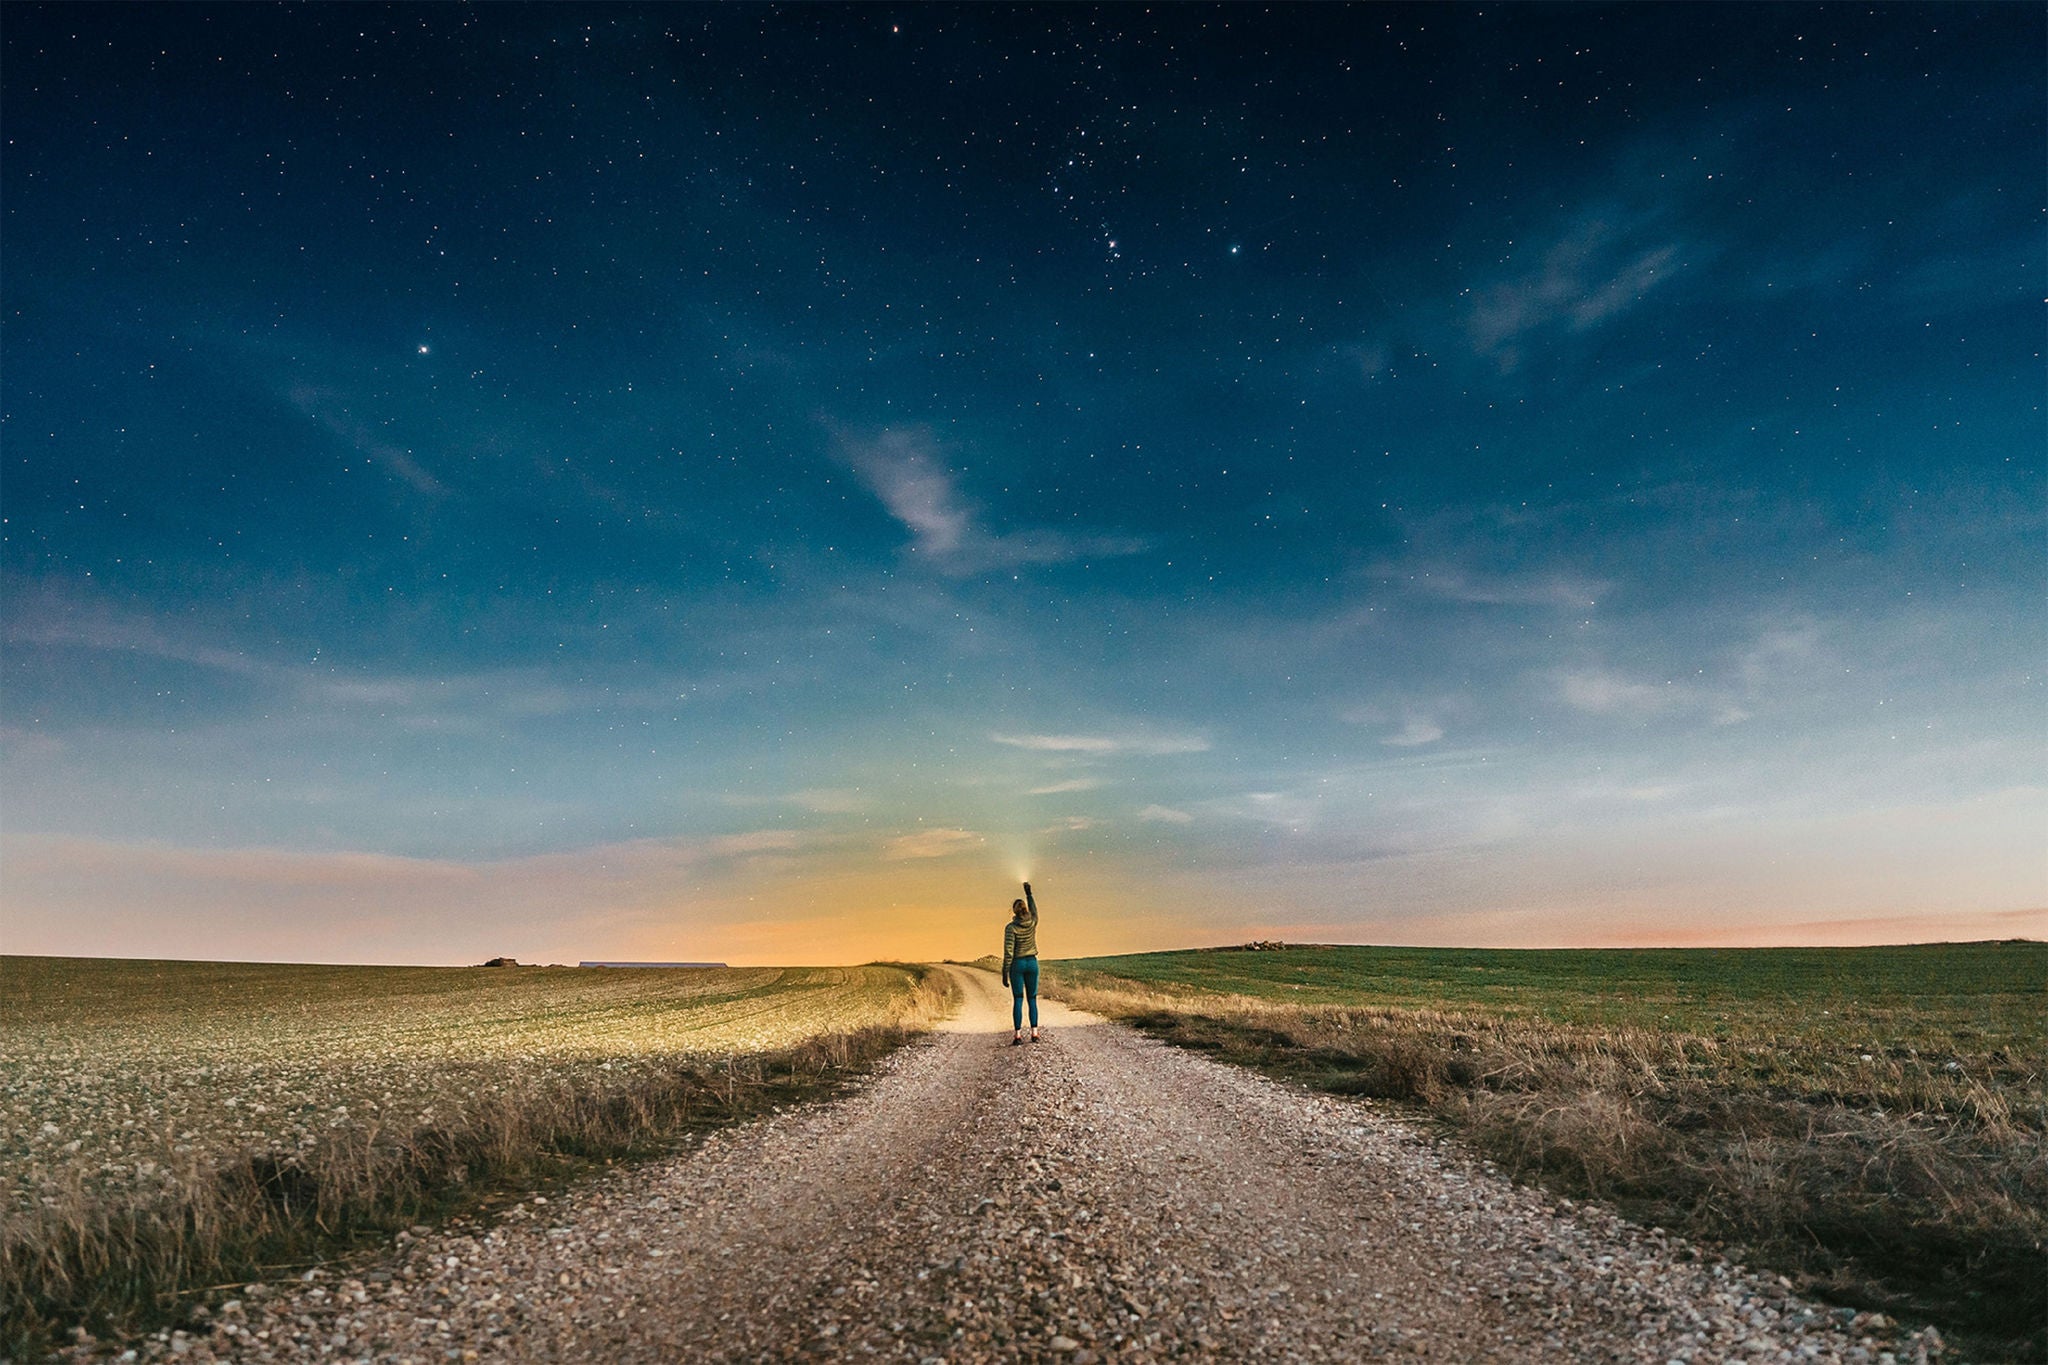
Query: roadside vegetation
1869	1121
169	1126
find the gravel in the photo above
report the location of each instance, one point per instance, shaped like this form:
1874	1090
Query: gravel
1096	1197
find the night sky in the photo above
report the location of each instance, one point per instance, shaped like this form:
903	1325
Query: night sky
749	483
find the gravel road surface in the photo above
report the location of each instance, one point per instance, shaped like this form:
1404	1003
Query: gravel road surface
1098	1196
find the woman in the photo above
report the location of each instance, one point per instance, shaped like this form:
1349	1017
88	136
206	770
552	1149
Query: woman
1020	964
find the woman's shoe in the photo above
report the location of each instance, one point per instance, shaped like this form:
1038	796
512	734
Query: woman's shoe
1016	1040
1034	1035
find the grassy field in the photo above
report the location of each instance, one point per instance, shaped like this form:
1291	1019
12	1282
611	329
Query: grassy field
1868	1120
165	1125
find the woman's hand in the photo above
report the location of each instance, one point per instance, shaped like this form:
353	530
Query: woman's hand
1027	888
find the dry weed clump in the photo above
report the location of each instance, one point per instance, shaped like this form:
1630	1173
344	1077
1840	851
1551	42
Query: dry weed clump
1897	1182
228	1122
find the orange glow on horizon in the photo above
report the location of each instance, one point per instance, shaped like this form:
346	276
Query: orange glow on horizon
769	899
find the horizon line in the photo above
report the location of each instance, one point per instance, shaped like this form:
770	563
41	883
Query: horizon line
1276	945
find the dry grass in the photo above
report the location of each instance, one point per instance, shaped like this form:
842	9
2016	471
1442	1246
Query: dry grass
177	1125
1907	1179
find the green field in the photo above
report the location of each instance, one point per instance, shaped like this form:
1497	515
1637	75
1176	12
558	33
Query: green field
1620	985
170	1123
1983	1005
1871	1120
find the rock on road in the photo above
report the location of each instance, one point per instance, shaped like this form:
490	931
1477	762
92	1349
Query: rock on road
1098	1196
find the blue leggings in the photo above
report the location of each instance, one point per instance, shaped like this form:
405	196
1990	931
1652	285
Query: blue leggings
1023	979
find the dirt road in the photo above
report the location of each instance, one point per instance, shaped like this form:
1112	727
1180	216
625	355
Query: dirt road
1096	1197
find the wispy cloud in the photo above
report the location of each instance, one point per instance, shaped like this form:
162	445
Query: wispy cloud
931	843
1781	651
1590	275
1562	589
328	410
1140	744
1417	730
917	491
1781	660
1283	809
1373	358
1601	692
18	741
1415	721
901	466
1278	640
77	621
52	616
1165	815
1974	277
828	800
755	841
1072	784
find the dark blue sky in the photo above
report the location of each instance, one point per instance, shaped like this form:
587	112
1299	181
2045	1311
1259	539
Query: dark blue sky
767	475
